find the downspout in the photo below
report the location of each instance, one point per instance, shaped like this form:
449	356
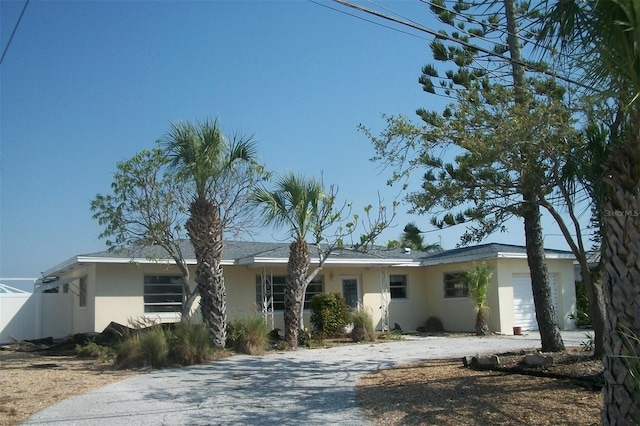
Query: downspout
38	297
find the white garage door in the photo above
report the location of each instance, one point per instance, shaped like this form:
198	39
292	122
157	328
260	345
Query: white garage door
524	309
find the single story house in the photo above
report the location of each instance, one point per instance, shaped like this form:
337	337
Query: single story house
396	286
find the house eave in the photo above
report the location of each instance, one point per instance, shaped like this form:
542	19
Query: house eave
498	255
78	261
264	261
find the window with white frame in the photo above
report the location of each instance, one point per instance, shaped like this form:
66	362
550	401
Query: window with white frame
398	286
162	293
454	285
277	288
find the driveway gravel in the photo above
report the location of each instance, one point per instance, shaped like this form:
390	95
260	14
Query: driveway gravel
307	386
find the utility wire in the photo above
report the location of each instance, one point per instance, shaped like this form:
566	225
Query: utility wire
451	39
368	20
26	3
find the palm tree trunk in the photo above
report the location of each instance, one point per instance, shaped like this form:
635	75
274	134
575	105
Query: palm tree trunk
482	328
593	281
545	314
299	261
622	287
205	232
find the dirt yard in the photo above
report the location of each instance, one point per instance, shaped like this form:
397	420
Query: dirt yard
446	393
31	382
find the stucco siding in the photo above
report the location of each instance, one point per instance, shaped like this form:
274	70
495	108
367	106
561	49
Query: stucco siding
456	313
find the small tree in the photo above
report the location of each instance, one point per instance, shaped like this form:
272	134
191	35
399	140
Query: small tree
146	209
478	280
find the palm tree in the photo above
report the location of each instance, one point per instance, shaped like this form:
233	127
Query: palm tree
411	238
298	204
606	34
208	162
478	280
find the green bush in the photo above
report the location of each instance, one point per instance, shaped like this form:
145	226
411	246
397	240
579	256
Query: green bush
329	314
248	335
433	325
363	330
189	344
93	350
582	317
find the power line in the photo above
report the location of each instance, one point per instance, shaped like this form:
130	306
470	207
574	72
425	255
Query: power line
368	20
26	3
454	40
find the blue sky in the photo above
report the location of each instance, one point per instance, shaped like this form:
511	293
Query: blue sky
87	84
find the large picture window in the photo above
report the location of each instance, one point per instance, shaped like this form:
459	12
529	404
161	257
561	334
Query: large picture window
278	283
398	286
454	285
162	293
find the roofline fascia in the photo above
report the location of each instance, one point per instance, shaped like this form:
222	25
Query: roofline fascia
330	261
77	260
499	255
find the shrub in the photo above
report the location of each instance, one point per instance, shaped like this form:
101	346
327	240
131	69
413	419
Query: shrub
93	350
582	314
433	325
189	344
248	335
329	314
362	327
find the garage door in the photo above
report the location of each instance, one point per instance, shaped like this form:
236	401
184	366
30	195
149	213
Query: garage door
524	309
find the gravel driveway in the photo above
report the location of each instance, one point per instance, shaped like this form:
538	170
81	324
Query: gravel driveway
302	387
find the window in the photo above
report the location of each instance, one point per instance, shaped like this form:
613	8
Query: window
82	292
454	286
277	290
162	293
398	286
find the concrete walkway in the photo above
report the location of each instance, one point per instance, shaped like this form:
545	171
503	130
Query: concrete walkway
290	388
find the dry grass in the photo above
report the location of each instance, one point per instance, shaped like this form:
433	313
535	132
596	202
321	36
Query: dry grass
446	393
32	382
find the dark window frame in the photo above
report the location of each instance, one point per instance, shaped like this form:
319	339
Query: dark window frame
161	295
454	286
316	286
398	289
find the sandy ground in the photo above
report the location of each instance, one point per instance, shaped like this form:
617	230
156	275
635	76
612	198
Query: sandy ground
446	393
30	382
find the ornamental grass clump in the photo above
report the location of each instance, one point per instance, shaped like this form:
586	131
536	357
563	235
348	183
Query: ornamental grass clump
363	330
189	344
248	335
154	348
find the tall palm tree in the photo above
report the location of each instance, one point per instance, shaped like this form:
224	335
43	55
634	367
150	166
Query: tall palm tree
207	161
299	204
607	35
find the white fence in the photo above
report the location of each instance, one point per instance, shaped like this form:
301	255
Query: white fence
25	316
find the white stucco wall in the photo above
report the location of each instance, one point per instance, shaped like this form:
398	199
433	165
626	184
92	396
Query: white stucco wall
115	293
